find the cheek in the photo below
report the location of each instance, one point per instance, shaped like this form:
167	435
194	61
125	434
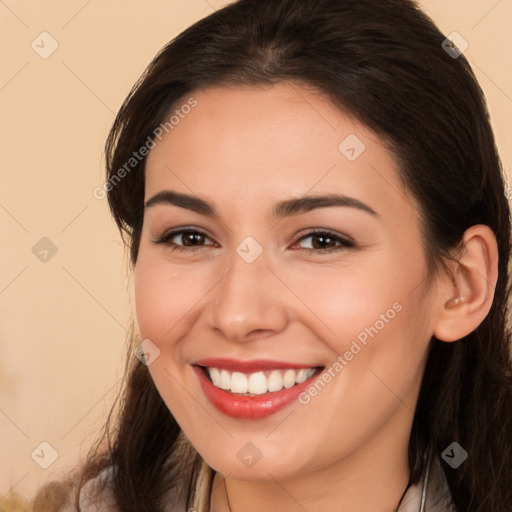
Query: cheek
348	302
152	293
165	295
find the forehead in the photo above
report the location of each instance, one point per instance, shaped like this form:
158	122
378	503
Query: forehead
253	145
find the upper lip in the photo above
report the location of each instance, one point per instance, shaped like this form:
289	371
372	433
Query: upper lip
250	366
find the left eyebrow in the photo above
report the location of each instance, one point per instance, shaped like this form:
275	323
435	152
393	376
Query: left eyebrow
280	210
308	203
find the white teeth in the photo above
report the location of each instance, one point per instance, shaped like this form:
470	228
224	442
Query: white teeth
215	376
275	381
224	380
258	383
289	379
302	375
239	383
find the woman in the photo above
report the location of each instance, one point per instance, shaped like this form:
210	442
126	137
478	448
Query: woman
315	211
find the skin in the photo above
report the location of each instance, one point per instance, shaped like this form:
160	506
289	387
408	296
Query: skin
243	150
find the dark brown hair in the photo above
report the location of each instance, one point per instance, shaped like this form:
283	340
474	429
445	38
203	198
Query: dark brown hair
384	64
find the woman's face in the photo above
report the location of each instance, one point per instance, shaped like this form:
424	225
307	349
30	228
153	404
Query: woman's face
266	281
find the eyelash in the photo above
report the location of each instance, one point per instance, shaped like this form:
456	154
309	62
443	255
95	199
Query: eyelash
344	243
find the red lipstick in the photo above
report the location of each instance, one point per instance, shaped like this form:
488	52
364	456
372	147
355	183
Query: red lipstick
244	406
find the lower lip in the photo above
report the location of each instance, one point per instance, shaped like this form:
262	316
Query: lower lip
250	407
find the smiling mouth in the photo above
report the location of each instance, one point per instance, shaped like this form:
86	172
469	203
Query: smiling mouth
260	382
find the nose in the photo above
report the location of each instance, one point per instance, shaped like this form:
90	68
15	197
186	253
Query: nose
248	302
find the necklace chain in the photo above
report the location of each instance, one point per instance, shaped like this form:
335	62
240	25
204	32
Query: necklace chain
227	497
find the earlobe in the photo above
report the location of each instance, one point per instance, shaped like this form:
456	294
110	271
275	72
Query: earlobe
465	298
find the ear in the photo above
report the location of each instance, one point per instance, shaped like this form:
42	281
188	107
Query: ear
465	299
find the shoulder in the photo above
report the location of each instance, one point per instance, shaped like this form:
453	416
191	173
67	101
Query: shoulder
95	495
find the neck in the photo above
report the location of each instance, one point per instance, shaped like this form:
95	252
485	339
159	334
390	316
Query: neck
376	474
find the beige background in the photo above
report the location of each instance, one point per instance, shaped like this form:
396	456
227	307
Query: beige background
62	322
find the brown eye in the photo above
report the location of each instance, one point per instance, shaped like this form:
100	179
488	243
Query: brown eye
325	241
183	239
191	238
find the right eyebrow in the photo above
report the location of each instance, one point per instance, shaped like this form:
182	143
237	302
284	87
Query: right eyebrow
189	202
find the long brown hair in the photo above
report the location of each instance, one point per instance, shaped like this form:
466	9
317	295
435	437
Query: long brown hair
384	63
